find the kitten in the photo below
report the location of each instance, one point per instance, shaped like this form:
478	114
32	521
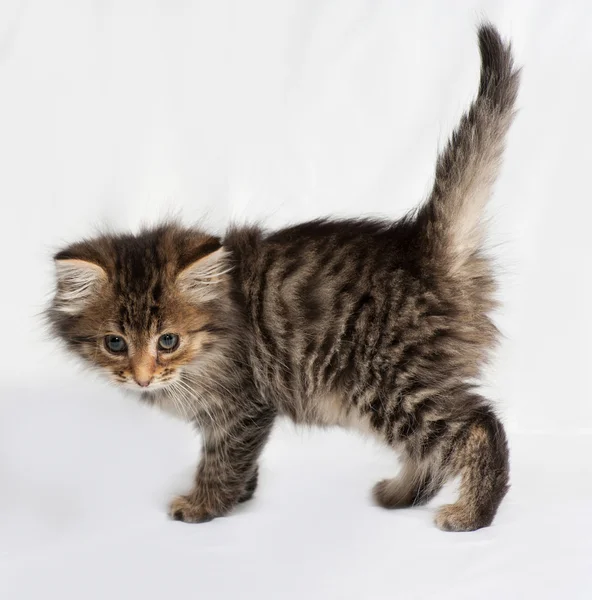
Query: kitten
375	325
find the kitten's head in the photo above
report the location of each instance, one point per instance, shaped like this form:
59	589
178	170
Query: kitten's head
141	308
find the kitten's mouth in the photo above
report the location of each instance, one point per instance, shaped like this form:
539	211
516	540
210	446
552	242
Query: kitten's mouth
147	389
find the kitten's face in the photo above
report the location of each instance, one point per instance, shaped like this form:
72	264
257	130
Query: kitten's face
145	353
140	309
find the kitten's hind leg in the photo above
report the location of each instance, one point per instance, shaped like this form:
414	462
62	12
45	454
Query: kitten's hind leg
468	441
415	485
479	454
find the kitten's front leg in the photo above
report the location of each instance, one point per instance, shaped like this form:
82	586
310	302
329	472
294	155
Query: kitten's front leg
227	473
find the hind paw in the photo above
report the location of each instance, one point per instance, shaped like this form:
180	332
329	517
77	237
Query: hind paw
389	493
459	517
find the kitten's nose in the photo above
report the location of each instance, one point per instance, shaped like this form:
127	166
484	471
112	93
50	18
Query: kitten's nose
143	382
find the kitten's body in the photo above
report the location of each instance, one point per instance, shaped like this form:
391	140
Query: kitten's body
373	325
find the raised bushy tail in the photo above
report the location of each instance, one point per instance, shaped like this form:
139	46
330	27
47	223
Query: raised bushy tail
468	166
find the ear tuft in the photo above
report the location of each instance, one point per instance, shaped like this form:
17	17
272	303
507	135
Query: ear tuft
77	281
202	279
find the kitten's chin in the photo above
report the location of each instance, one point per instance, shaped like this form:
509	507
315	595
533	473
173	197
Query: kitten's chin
156	395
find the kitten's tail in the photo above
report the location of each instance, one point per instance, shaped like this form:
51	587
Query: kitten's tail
468	166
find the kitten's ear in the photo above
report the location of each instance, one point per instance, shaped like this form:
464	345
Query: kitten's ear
77	281
203	275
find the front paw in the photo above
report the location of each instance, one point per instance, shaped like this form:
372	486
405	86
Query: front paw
186	509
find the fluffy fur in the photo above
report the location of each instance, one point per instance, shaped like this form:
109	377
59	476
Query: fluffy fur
379	326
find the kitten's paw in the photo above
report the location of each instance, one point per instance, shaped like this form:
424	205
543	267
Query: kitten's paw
389	493
183	508
459	517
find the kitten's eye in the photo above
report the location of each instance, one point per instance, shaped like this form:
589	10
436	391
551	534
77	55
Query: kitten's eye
115	344
168	342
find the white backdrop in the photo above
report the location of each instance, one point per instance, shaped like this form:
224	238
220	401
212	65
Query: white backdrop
121	113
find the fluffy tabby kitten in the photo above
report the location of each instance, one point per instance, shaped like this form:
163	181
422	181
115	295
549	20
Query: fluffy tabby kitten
380	326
